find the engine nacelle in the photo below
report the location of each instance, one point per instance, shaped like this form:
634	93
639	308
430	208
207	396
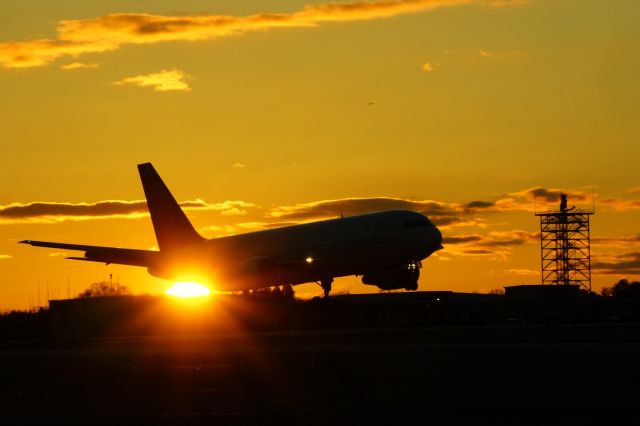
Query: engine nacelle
405	277
263	266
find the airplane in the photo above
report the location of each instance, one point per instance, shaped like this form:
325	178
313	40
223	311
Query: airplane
384	248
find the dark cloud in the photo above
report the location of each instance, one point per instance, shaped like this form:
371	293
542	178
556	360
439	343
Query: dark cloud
619	203
271	225
509	238
57	212
462	239
446	220
551	195
101	208
354	206
479	205
493	239
627	263
496	243
617	241
478	252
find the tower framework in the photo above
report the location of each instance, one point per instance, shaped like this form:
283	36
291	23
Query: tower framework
566	246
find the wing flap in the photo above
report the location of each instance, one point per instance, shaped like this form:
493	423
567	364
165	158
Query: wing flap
121	256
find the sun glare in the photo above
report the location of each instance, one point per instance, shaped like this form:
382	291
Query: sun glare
188	289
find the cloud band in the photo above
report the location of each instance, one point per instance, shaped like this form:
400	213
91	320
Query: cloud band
110	32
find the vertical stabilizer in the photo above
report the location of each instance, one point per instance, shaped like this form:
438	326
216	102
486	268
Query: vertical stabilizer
173	229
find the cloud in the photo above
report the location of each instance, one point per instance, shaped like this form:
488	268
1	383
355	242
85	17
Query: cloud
76	66
36	53
233	211
477	252
5	256
484	54
461	239
619	204
226	230
627	263
449	221
218	230
540	199
429	67
530	200
506	3
57	212
57	253
494	239
616	241
544	196
496	243
239	165
110	32
442	214
510	238
479	205
51	212
229	208
527	272
162	81
633	191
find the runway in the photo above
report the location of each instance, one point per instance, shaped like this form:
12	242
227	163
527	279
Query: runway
510	374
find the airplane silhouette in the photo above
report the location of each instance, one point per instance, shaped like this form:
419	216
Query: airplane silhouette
385	248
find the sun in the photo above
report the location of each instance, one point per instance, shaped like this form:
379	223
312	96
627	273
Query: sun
188	289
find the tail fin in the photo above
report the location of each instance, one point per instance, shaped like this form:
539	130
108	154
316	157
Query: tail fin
173	229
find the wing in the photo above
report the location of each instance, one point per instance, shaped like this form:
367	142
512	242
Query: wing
106	255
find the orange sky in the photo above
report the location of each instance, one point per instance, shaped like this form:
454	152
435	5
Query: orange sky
267	113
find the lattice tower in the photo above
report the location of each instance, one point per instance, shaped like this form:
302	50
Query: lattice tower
566	246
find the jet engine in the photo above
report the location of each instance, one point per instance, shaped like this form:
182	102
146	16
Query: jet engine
404	277
263	266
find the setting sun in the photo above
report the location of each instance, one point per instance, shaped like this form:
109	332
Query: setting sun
188	289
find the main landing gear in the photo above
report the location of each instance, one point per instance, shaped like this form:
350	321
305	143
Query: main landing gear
326	286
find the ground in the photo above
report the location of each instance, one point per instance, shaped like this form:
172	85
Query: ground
518	374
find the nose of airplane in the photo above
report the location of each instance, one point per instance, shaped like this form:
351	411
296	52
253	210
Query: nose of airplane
437	238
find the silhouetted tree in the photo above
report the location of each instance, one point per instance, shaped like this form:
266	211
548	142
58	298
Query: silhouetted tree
287	292
104	288
588	293
623	289
276	292
284	292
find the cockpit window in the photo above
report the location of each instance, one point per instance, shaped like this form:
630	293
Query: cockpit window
416	223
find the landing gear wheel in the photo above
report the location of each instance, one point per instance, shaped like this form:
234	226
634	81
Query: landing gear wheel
326	286
413	286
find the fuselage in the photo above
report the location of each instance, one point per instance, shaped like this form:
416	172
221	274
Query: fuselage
309	252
